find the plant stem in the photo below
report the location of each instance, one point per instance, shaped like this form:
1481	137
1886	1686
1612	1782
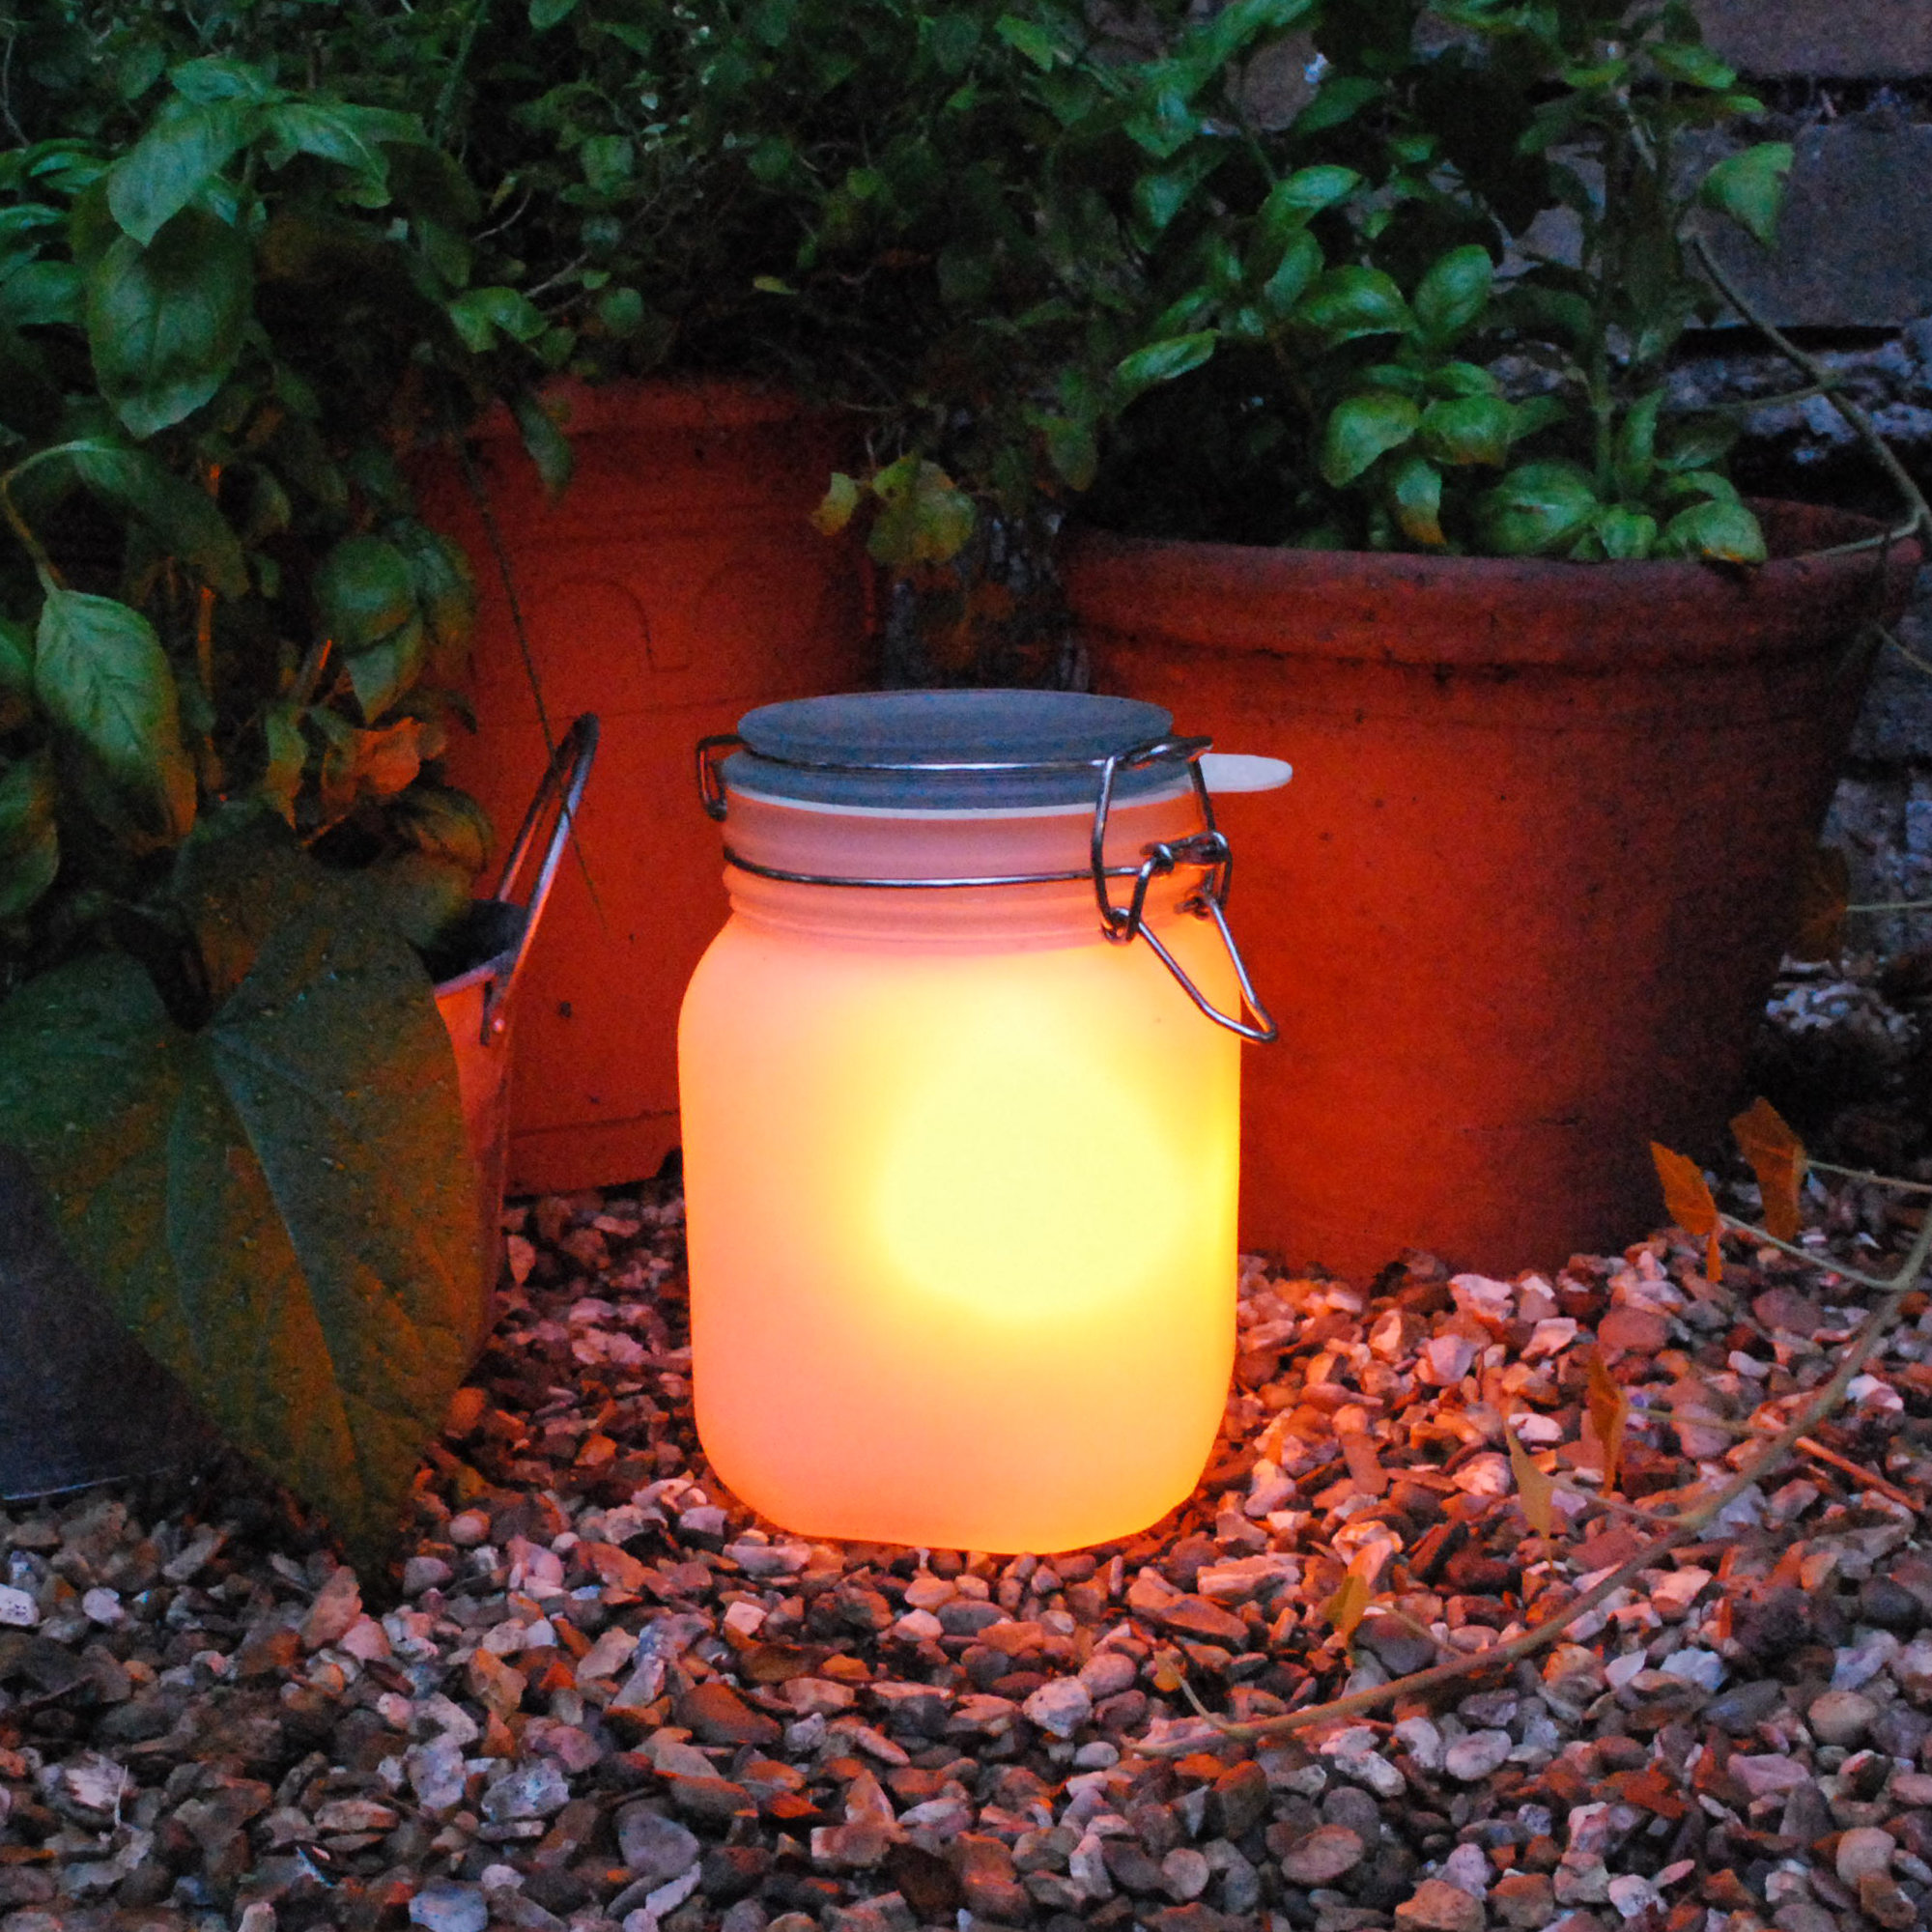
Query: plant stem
1853	413
1865	1174
446	101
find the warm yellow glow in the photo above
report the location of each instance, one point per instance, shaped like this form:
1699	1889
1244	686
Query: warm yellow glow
962	1233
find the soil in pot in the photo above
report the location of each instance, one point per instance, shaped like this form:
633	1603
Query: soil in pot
1520	909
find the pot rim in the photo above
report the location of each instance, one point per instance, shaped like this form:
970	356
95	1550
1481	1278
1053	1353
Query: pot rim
1399	608
647	404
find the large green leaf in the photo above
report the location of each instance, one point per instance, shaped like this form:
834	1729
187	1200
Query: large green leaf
165	322
281	1208
188	145
100	671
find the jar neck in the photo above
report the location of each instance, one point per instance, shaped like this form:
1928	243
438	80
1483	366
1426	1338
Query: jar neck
843	843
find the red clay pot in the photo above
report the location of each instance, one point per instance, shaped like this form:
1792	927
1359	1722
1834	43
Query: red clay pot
678	582
1521	906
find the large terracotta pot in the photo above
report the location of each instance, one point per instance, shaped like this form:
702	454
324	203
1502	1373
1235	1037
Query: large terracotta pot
1520	908
676	584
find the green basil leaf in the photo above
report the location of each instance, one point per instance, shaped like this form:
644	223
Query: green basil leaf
1300	263
1626	535
285	753
1030	39
1468	429
445	586
1462	378
165	322
544	440
1534	414
1750	188
1072	450
213	80
1351	302
1698	441
1693	64
1295	199
1359	429
1160	362
385	671
1415	495
364	591
1634	451
350	137
185	520
1725	533
101	674
1160	197
1454	293
29	842
1339	99
43	293
186	148
480	314
16	665
1537	509
548	13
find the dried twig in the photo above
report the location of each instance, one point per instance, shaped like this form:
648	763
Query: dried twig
1855	416
1866	1479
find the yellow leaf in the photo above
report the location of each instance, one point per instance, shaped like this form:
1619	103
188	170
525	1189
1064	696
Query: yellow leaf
1824	884
1778	1159
1714	1256
1687	1197
1532	1487
1344	1609
836	506
1609	1418
1168	1674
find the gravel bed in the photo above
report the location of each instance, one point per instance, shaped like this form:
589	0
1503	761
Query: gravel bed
599	1692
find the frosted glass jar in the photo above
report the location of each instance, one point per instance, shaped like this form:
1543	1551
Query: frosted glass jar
960	1170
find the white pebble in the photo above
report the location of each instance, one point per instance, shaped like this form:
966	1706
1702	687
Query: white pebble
18	1608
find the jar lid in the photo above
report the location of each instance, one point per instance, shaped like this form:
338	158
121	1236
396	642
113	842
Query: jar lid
891	749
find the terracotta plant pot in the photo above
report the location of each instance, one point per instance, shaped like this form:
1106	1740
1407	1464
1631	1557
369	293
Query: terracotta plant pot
1520	909
676	584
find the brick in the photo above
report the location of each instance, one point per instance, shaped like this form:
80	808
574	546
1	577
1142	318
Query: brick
1855	243
1823	40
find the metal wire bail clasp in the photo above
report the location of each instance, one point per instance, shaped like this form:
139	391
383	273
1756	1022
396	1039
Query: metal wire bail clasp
1206	848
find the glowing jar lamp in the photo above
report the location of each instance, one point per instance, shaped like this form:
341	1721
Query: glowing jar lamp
959	1085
